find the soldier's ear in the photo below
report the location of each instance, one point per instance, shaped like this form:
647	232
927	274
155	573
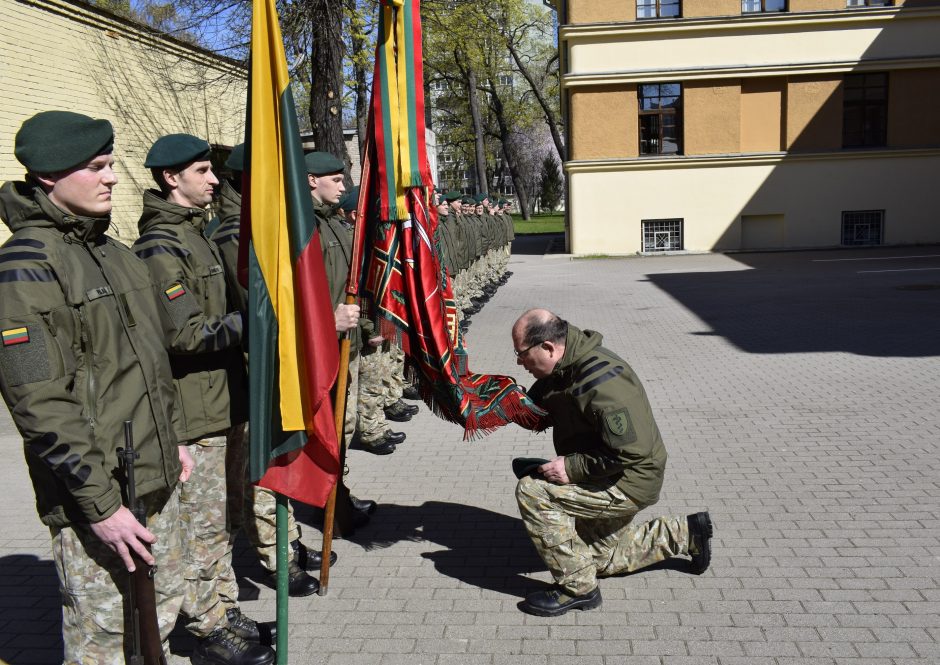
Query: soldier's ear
312	181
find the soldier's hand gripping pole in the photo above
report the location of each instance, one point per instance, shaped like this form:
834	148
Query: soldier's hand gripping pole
147	648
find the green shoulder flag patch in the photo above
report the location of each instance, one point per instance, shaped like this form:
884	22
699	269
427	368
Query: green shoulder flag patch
620	425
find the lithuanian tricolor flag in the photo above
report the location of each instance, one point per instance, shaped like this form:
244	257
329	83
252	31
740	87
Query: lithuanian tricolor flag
293	355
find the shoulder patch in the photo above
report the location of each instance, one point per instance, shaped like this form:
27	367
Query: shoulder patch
619	424
175	292
23	356
13	336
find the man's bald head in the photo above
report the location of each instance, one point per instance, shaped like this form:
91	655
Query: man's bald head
539	339
540	325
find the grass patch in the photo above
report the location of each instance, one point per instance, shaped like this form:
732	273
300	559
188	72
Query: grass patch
544	223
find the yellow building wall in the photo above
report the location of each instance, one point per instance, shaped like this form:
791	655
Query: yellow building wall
699	8
601	11
806	196
604	123
814	113
914	108
711	117
55	55
762	126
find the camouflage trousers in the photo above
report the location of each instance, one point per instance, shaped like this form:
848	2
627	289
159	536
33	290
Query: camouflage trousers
207	542
584	531
372	397
93	582
352	401
394	378
252	509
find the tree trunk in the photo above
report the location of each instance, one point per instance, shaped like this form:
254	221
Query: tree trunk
326	85
550	118
505	138
476	119
359	77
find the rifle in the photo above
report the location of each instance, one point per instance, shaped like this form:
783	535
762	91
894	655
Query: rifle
147	645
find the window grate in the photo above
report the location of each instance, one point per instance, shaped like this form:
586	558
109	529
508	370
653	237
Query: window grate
863	227
662	235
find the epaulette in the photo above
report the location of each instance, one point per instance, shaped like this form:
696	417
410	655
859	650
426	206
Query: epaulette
592	372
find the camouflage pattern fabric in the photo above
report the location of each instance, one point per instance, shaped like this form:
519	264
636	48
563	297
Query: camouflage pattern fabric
352	401
584	531
252	509
93	583
394	378
372	396
206	531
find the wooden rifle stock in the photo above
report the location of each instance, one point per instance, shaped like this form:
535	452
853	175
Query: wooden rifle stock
147	647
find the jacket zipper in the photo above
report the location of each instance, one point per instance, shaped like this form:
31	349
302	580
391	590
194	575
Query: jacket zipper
90	383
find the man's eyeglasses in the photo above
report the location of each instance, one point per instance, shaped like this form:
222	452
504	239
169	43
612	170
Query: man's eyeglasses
524	351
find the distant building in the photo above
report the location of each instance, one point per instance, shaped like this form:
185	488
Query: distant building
69	55
750	124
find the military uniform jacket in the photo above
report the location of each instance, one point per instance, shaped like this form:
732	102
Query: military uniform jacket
82	351
224	232
445	242
205	352
603	423
336	243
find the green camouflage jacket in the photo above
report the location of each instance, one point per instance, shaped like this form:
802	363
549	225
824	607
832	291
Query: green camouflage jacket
602	420
205	344
82	351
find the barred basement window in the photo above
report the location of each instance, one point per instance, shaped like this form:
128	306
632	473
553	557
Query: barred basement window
662	235
863	227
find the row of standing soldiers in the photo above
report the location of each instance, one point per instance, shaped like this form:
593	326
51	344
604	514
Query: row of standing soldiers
94	334
474	238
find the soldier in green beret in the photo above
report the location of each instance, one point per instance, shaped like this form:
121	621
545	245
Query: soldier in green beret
254	508
579	507
325	176
82	352
207	361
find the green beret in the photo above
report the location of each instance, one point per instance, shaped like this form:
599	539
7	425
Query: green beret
54	141
350	199
236	158
323	163
452	195
479	198
176	149
467	200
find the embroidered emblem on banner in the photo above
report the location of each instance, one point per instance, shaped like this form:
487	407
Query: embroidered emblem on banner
15	336
175	292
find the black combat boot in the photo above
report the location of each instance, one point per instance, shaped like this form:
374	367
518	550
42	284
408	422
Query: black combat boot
308	558
249	629
399	412
224	647
395	437
556	601
700	541
410	392
299	583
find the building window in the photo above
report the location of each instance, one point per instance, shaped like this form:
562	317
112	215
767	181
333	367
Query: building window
662	235
869	3
658	8
505	79
865	110
757	6
660	118
863	227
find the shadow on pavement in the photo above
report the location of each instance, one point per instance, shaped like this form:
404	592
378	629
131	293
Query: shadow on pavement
810	302
30	604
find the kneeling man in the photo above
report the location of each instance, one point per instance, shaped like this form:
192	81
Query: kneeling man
579	507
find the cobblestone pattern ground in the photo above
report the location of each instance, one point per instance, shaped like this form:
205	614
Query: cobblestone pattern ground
797	394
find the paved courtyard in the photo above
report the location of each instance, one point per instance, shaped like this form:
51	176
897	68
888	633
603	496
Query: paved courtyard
798	395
